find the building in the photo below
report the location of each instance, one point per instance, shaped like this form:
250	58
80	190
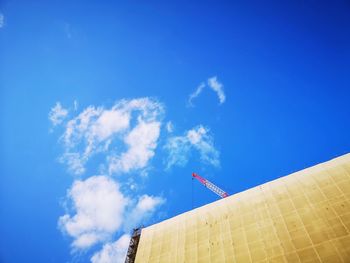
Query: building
302	217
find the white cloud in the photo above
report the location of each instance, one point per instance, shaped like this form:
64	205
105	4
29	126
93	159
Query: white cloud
213	84
203	143
57	114
216	86
179	148
99	211
196	135
141	141
126	136
135	123
147	204
108	123
99	206
169	127
93	126
113	252
196	93
2	20
74	161
143	210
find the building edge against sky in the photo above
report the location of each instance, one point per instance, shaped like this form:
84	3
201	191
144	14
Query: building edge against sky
302	217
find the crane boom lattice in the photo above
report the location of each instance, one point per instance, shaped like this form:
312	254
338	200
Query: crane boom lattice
217	190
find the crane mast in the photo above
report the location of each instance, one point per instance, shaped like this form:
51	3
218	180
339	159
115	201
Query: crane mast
210	186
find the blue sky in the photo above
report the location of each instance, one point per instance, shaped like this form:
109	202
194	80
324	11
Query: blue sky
98	132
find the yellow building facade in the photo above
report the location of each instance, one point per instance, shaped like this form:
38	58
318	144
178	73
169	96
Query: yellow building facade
302	217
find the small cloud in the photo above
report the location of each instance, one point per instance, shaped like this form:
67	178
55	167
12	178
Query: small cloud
179	148
113	252
195	94
99	208
2	20
57	114
169	127
74	161
147	204
141	141
213	84
145	207
216	86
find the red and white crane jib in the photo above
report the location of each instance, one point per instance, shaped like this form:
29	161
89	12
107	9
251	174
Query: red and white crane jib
210	186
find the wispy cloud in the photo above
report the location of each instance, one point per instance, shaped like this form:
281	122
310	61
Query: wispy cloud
169	127
179	148
74	161
141	142
57	114
113	252
145	207
213	84
216	86
196	93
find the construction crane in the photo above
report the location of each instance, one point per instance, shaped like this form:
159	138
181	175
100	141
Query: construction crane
210	186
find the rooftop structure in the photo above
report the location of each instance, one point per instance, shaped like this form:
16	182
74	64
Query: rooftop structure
302	217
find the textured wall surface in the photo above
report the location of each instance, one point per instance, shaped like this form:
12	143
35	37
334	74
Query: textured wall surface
302	217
